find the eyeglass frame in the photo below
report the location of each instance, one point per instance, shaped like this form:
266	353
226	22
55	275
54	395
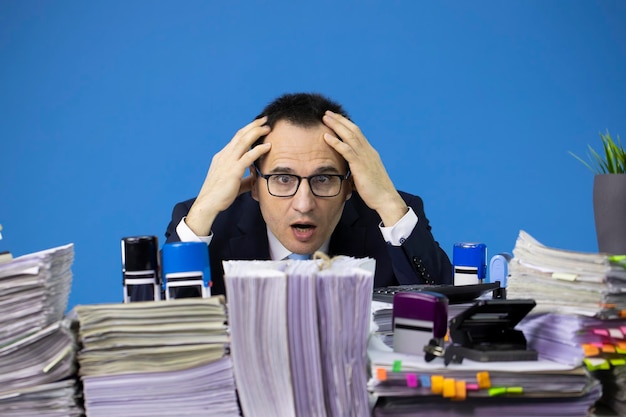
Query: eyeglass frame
342	178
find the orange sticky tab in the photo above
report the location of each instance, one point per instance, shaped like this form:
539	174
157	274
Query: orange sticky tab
621	345
381	374
608	348
622	314
483	380
461	391
436	384
449	388
590	350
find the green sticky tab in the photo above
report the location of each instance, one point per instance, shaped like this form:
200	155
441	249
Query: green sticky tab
514	390
618	259
397	366
595	364
495	391
618	362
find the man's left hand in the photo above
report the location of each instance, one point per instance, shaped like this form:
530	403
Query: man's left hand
368	172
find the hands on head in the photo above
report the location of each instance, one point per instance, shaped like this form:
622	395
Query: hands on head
225	179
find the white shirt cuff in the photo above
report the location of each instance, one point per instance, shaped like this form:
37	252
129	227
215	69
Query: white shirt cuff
396	235
185	234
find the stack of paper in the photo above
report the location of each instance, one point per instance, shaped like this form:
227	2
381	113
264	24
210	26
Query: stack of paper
37	346
299	332
580	315
566	281
156	358
34	290
407	385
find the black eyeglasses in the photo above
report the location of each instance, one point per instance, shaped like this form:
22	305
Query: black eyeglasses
286	185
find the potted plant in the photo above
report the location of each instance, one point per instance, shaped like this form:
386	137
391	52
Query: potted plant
609	193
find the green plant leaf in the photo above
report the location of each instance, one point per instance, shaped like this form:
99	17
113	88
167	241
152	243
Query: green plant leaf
612	159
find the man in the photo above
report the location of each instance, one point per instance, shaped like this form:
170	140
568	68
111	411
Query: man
315	184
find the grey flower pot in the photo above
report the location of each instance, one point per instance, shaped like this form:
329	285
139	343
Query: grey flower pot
609	208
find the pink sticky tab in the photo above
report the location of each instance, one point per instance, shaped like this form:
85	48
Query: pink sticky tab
471	387
411	380
601	332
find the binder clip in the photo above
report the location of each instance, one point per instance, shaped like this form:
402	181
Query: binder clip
420	322
140	269
186	271
485	332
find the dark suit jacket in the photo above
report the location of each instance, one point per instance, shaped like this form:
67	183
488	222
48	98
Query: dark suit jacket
239	233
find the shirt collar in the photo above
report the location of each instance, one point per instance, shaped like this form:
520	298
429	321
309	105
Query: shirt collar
278	252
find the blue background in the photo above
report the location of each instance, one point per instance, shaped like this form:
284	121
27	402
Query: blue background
110	111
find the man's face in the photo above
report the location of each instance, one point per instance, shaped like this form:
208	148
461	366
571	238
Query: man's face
303	222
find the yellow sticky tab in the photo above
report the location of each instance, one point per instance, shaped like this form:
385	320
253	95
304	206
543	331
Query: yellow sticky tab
461	391
618	362
449	388
564	276
514	390
381	374
483	379
436	384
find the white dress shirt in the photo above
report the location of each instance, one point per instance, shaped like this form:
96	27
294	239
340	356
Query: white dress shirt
394	235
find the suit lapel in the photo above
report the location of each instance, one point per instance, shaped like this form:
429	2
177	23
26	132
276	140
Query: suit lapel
348	238
252	241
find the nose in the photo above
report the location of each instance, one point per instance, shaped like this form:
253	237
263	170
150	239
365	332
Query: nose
304	200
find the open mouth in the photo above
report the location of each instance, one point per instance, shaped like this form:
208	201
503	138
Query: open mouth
302	228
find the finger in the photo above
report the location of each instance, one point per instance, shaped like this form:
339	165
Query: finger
341	119
255	153
344	128
247	135
341	147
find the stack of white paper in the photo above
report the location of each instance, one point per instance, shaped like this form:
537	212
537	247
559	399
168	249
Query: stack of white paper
156	358
566	281
299	332
407	385
34	290
580	317
37	346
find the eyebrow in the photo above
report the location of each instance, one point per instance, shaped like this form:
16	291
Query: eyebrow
319	171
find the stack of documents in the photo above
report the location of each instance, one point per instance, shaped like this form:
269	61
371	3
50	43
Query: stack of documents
580	317
566	281
407	385
299	335
37	346
156	358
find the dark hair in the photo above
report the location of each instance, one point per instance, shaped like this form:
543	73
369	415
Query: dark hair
300	109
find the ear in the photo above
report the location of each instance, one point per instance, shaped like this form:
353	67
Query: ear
253	183
349	184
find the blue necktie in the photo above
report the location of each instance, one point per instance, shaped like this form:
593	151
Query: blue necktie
299	257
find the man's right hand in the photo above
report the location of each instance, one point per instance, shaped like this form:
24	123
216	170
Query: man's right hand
224	181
